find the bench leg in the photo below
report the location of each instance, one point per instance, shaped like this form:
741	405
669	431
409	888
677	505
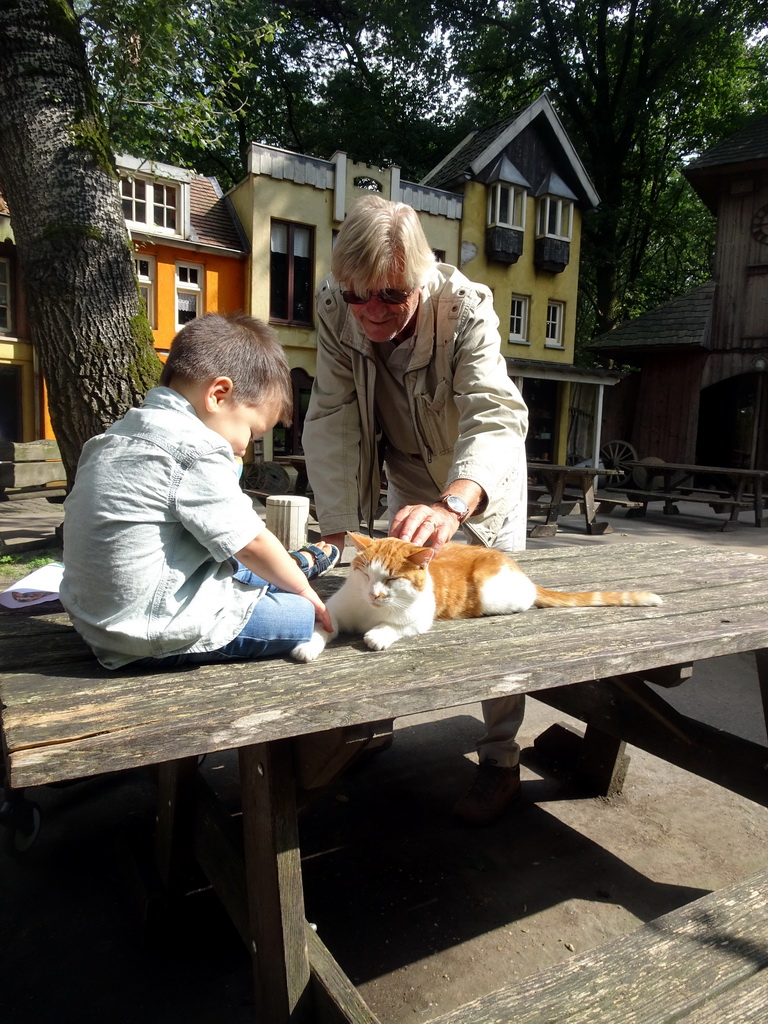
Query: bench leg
628	709
273	883
602	765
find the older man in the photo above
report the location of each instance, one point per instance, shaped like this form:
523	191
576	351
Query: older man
409	369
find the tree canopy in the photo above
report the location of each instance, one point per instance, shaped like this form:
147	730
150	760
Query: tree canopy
641	86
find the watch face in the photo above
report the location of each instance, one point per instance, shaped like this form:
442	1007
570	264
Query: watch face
456	504
760	225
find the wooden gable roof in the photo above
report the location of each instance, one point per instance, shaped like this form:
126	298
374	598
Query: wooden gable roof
471	158
744	150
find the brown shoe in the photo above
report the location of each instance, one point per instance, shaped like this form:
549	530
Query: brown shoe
492	790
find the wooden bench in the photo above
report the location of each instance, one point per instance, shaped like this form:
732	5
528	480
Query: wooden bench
717	501
538	498
31	468
704	963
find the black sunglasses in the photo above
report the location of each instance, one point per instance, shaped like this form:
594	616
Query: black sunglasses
389	296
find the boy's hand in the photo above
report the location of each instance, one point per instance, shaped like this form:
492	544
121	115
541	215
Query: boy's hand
322	615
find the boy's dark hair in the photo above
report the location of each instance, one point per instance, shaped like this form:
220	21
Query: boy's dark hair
237	346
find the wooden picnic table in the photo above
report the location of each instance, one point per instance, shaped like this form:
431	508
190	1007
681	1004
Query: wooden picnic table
64	717
723	488
569	489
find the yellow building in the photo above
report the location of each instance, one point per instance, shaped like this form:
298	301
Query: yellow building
506	206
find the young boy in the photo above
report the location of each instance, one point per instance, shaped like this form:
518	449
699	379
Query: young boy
166	560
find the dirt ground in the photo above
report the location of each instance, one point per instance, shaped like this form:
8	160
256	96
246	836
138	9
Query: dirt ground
422	913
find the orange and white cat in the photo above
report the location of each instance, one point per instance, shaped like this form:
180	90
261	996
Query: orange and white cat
396	589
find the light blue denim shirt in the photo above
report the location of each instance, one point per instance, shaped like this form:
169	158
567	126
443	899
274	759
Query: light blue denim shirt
154	516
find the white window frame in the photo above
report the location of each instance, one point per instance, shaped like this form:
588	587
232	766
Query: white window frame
515	203
555	218
190	280
554	332
518	319
147	279
156	195
6	297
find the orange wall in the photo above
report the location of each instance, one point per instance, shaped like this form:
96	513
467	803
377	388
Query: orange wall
223	292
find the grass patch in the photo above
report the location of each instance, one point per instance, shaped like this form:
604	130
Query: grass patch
16	567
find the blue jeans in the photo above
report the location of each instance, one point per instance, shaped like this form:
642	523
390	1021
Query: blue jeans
278	622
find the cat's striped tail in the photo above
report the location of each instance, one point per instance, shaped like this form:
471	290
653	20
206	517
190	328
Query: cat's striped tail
594	598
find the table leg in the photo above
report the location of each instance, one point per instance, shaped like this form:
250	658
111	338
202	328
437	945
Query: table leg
556	488
590	508
175	824
758	502
273	881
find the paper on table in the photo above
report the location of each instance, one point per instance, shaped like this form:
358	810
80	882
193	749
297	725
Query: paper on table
41	585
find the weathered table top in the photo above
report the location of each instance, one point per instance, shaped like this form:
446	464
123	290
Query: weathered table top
65	717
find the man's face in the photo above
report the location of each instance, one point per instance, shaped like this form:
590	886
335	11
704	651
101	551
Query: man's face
384	322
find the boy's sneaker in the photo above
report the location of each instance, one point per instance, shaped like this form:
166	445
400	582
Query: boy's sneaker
491	792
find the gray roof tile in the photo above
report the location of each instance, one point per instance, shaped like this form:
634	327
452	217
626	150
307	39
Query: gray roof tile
681	323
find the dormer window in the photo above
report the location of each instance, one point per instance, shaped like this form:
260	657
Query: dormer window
506	206
152	204
554	218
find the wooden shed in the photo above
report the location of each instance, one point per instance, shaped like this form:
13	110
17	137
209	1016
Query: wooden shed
702	391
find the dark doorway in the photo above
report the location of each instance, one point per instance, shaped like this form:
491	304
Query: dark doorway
733	421
10	403
287	440
541	398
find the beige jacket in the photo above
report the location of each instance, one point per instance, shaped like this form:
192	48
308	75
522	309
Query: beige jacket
470	419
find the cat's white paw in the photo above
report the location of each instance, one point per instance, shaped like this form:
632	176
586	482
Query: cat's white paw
310	649
380	638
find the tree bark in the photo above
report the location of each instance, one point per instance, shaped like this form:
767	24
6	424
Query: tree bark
57	172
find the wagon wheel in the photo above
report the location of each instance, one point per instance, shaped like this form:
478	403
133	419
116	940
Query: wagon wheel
267	476
616	455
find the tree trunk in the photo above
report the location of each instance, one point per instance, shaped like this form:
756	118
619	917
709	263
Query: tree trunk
57	172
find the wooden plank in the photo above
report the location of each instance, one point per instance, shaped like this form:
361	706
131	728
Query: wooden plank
672	966
744	1003
29	451
30	474
337	1001
278	943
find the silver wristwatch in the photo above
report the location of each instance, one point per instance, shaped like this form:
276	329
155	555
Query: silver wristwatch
454	504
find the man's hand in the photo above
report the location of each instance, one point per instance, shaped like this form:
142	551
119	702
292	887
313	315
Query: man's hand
426	525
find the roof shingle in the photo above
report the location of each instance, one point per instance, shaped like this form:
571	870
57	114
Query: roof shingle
681	323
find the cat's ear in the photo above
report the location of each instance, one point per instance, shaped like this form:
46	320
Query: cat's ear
421	556
360	542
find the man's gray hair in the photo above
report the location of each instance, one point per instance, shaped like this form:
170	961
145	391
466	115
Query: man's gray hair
378	242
